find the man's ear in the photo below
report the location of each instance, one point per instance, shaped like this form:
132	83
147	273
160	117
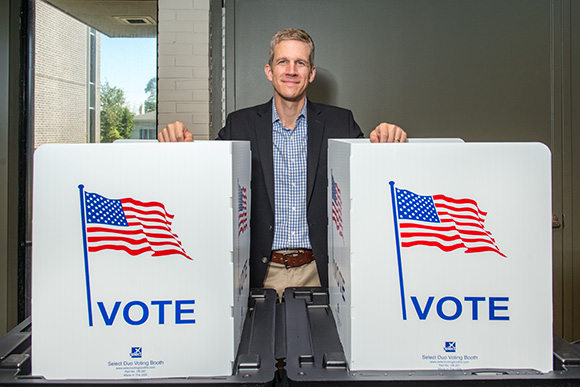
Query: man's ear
312	74
268	71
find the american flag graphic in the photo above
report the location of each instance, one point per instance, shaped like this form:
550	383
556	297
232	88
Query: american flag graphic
443	222
337	207
242	209
131	226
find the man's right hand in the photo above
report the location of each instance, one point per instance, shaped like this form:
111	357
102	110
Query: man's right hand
175	132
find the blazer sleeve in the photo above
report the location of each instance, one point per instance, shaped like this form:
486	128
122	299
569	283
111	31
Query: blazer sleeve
355	131
225	132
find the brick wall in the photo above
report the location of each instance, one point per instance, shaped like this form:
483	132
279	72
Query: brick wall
61	73
183	60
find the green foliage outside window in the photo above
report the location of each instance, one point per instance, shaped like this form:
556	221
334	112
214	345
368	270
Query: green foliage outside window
151	101
116	118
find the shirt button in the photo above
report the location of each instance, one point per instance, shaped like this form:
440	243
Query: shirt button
293	208
264	260
293	233
270	228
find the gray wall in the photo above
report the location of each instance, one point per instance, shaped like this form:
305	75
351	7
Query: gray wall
491	70
571	118
470	68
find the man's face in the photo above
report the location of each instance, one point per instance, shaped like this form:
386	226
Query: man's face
290	72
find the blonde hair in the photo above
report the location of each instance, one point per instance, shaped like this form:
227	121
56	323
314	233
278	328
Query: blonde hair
292	34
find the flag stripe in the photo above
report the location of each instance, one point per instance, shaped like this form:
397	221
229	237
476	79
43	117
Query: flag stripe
131	241
157	240
145	227
129	250
137	251
462	203
242	209
444	237
443	222
457	214
155	214
337	207
484	248
129	231
130	225
457	222
442	229
147	223
129	203
446	248
135	247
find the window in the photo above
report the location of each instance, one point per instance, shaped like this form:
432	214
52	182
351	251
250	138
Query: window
96	73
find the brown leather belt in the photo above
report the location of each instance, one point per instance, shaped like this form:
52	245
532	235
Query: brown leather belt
292	258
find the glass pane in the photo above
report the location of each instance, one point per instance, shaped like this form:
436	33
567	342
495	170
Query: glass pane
128	87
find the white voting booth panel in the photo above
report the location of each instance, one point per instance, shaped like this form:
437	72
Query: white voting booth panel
440	254
140	259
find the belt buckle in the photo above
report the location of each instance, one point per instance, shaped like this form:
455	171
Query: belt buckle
290	253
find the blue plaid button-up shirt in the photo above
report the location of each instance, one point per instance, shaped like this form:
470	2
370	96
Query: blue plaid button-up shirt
290	150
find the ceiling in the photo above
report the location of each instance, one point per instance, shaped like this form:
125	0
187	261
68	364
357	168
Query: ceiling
114	18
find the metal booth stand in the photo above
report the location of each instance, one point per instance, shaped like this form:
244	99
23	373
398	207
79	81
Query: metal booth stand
255	363
314	356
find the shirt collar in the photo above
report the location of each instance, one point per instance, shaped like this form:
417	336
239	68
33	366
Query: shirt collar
276	117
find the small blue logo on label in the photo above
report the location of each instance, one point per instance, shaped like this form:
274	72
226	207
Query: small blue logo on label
136	352
449	346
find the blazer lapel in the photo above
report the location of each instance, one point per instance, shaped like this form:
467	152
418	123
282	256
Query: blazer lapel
315	141
265	148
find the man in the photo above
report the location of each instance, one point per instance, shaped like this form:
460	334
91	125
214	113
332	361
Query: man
289	139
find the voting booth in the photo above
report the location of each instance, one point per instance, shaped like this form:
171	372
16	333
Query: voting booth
440	255
140	259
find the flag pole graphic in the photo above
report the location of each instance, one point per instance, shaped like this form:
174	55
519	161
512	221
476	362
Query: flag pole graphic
396	220
86	251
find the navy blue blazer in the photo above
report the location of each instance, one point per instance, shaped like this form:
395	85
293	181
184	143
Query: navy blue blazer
255	125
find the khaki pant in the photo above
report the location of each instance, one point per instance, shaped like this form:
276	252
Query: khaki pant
279	277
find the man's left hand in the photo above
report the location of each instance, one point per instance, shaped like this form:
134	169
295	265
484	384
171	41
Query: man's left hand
388	133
